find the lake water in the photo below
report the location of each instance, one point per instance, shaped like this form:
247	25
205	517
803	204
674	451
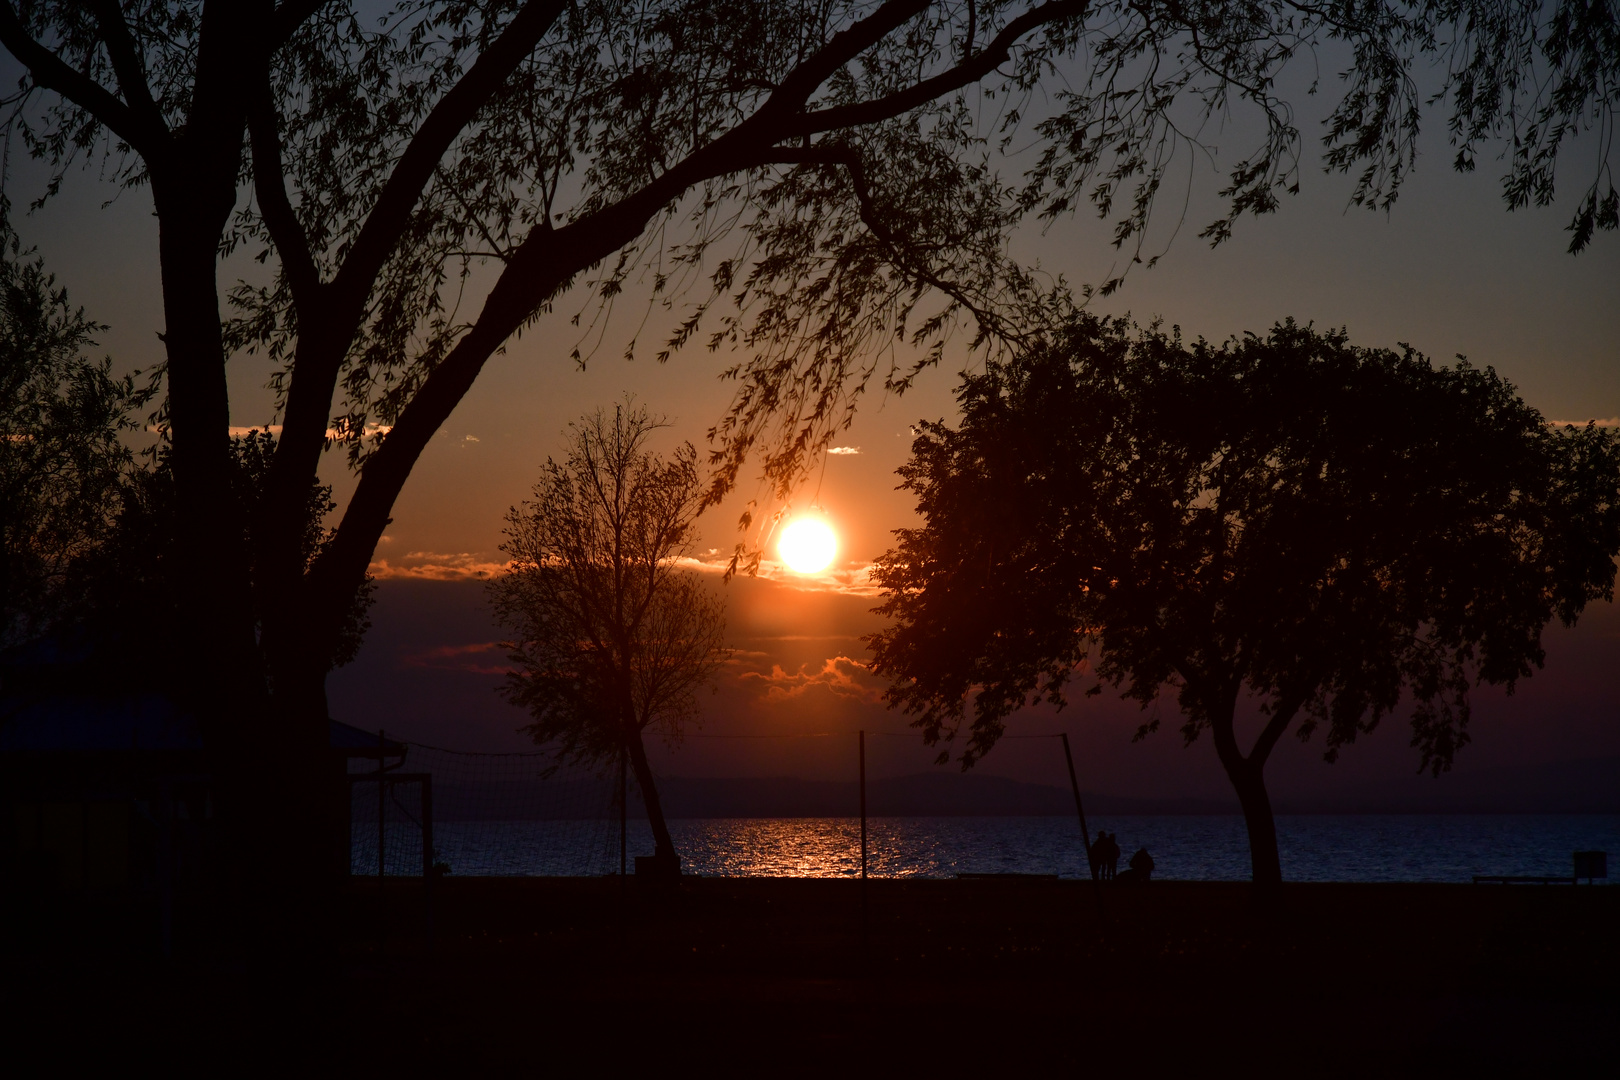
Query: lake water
1392	847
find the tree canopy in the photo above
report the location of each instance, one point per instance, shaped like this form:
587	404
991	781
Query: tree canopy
1289	521
612	637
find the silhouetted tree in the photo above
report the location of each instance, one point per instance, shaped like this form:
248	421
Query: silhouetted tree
125	591
611	636
390	151
1288	522
62	456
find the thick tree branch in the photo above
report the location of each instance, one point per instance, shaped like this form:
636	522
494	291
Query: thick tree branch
269	187
969	71
1281	717
448	119
126	63
230	35
841	48
50	72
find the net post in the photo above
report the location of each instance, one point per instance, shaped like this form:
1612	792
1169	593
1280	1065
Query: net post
1079	809
382	801
863	812
865	907
427	854
382	815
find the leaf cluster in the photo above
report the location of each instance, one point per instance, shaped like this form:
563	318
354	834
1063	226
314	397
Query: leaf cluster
63	458
1328	528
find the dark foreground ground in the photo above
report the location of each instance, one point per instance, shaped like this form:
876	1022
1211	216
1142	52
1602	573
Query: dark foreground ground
778	977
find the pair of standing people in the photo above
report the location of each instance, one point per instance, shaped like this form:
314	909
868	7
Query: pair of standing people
1104	856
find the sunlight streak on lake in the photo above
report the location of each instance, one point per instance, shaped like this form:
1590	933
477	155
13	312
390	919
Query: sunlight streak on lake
1416	847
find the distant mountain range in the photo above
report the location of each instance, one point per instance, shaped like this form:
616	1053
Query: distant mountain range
1563	787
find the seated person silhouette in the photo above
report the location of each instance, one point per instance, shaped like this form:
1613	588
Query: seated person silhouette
1141	867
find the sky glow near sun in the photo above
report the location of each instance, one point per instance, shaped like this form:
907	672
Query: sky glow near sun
808	545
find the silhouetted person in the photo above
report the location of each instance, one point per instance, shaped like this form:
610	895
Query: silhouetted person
1105	852
1140	869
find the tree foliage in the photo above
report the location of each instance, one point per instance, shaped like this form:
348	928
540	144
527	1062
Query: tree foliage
612	637
1319	529
63	459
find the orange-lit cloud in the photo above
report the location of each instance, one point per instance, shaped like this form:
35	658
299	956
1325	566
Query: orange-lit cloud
371	431
844	450
839	675
852	579
437	566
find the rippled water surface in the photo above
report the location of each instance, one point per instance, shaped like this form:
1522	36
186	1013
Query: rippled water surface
1209	848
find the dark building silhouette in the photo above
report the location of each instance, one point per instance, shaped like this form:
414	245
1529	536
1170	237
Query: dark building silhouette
108	792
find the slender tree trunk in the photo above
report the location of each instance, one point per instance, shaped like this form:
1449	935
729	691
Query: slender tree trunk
664	847
1247	775
1249	782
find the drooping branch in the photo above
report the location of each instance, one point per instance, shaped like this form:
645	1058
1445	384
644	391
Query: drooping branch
846	158
49	71
289	16
449	117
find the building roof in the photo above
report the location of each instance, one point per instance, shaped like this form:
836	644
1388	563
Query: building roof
80	723
48	708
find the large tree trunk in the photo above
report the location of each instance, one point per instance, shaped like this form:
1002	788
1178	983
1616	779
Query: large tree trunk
217	672
663	846
215	603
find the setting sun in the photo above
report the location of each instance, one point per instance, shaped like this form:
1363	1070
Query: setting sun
808	545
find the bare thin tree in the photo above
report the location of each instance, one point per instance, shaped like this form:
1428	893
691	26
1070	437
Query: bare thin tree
611	637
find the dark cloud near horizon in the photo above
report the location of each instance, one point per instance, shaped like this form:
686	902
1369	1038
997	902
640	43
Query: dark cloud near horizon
429	670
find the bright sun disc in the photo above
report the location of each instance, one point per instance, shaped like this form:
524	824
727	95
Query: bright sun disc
808	545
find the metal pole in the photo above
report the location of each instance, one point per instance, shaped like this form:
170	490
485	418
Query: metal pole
865	913
863	814
1085	834
166	859
624	812
382	808
427	853
382	803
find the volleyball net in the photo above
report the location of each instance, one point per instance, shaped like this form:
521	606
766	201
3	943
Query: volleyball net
442	811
